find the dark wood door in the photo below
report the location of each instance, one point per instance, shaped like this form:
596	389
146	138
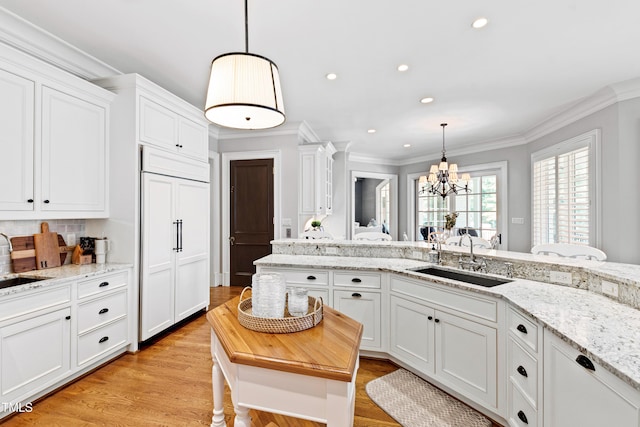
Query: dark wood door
251	227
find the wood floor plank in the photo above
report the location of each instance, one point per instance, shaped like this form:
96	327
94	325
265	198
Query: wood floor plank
169	384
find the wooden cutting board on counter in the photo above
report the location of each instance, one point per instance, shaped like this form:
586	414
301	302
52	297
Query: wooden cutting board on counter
23	257
47	252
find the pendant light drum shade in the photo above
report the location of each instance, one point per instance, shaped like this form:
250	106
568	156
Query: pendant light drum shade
244	92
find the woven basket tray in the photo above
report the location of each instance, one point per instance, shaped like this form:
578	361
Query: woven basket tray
283	325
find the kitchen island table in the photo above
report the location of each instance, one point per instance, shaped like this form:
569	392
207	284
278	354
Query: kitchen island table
309	374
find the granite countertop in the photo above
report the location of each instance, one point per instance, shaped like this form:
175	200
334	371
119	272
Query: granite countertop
603	329
57	275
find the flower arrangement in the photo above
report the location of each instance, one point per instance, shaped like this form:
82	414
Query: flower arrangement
450	220
316	224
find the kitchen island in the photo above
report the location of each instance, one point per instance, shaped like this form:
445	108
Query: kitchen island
308	374
526	323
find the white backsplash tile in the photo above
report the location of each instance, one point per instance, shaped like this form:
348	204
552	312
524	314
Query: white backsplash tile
25	228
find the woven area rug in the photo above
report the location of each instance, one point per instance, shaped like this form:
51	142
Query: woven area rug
414	402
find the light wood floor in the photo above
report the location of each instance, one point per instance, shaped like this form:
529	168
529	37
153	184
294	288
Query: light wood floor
169	384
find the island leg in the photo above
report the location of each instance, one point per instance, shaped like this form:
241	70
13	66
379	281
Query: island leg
242	416
217	380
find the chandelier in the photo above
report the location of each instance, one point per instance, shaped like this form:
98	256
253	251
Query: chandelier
244	90
443	178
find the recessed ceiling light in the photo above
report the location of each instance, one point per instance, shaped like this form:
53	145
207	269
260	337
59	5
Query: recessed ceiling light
407	145
426	100
403	67
480	22
332	76
371	131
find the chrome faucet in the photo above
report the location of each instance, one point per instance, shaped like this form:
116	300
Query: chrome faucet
8	241
472	263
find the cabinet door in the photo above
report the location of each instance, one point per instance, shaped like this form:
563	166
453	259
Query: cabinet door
192	264
159	243
158	125
466	357
308	191
576	396
74	153
328	193
35	354
411	334
16	142
363	307
193	139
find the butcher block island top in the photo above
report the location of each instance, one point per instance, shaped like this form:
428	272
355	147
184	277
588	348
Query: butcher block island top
328	350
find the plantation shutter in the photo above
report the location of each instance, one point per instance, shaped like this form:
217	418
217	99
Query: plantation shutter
561	198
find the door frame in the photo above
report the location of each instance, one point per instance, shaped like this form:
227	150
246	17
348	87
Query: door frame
227	158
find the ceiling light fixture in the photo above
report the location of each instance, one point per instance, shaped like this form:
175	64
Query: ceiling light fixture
407	145
371	131
332	76
443	178
480	23
244	89
403	67
426	100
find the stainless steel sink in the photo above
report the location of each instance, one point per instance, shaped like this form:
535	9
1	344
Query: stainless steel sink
17	281
474	279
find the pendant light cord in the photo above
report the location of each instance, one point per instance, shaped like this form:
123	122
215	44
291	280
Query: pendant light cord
246	27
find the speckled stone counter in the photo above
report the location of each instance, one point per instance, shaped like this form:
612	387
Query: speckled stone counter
603	329
55	275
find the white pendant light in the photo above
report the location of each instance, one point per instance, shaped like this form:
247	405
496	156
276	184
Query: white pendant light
244	90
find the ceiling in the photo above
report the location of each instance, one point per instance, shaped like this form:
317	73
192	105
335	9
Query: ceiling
533	59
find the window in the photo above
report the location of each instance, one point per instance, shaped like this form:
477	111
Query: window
477	209
564	184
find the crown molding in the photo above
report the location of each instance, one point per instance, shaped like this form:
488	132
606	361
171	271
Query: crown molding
26	37
605	97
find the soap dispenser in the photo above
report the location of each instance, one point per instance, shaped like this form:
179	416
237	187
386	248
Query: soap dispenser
434	255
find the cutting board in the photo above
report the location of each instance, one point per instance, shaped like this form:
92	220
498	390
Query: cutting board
47	252
23	256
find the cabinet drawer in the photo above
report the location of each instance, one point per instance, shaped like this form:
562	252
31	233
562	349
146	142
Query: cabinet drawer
308	277
30	301
357	279
364	307
103	283
523	370
94	344
523	329
521	414
101	310
469	302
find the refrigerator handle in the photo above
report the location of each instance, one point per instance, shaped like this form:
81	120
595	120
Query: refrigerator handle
180	247
177	224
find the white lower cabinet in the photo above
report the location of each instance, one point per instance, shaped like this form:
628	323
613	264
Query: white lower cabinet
411	338
524	370
467	357
365	308
55	333
579	392
459	352
35	354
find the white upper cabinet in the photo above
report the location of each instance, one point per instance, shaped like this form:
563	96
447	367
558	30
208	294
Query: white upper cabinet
73	153
53	141
163	120
316	179
16	142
